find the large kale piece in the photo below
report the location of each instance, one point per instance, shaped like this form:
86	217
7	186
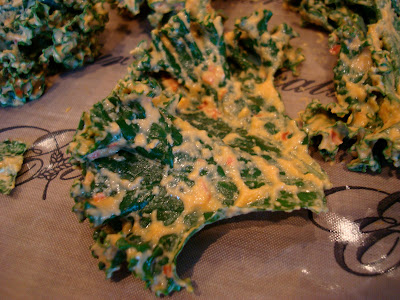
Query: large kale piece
195	132
366	37
40	37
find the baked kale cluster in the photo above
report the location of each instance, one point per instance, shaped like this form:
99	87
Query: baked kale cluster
194	133
365	36
39	38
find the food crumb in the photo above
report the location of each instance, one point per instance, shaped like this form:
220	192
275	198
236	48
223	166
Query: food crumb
305	99
68	109
321	38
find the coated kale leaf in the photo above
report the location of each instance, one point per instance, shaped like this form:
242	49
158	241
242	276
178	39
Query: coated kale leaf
38	38
195	132
366	37
11	158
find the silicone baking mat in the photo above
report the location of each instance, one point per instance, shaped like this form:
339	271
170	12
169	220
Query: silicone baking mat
352	251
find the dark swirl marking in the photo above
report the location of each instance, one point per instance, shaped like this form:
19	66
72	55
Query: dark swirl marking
46	159
377	233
